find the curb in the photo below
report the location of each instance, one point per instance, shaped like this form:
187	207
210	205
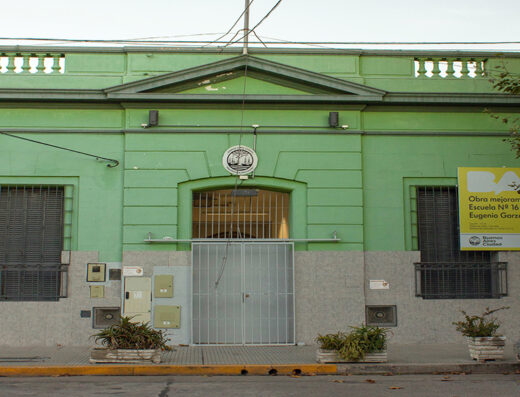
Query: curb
260	369
432	369
159	369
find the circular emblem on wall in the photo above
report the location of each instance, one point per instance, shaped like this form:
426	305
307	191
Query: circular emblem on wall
240	160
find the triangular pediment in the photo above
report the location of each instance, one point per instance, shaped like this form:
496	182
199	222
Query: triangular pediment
226	77
233	83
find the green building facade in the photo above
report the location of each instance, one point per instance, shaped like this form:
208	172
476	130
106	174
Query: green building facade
341	240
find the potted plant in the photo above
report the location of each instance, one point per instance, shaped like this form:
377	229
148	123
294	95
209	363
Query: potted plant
129	342
481	332
362	344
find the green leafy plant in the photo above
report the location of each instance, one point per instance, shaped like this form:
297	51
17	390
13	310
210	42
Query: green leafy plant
509	83
331	341
131	335
482	325
354	345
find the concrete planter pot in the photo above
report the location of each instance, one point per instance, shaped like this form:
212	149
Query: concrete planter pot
486	348
128	356
330	356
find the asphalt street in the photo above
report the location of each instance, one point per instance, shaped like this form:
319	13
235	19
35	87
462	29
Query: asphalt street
272	386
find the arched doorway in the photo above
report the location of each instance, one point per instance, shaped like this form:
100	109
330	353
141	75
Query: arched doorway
243	278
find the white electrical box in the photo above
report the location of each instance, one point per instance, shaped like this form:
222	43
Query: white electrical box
138	298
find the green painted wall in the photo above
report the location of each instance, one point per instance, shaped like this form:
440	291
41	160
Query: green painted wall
327	165
393	164
97	189
97	70
355	182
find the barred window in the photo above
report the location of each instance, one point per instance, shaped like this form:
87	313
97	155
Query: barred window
31	241
446	272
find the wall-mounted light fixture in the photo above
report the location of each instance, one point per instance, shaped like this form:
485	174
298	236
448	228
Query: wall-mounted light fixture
333	119
153	119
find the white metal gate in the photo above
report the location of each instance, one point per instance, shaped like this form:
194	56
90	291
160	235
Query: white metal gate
243	293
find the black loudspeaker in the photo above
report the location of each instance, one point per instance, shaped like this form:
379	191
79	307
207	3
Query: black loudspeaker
333	119
153	118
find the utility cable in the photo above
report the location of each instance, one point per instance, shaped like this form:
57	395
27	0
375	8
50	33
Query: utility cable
233	198
112	162
231	28
173	36
257	25
260	40
283	41
134	41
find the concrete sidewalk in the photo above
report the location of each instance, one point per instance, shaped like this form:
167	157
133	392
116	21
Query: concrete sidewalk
259	360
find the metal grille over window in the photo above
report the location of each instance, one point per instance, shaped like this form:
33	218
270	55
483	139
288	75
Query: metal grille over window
445	272
241	214
31	241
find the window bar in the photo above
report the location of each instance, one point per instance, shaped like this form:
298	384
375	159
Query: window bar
276	224
258	220
219	214
200	216
251	213
225	215
270	225
233	198
212	213
244	228
24	233
237	203
263	213
206	199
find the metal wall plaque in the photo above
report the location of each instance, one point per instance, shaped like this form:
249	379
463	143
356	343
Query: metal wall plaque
129	271
240	160
379	284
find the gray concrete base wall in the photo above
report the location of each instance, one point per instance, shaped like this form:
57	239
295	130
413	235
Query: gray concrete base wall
58	323
430	320
328	292
331	291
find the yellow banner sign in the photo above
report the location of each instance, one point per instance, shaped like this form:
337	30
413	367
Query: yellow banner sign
489	208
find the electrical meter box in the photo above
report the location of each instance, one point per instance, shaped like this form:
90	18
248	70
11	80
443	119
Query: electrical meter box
138	298
167	316
96	272
97	291
163	286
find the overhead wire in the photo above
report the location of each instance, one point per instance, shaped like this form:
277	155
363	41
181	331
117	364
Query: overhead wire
283	41
257	25
235	24
233	198
172	36
278	41
112	162
260	40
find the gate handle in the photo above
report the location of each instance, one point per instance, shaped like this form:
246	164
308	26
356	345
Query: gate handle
127	295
